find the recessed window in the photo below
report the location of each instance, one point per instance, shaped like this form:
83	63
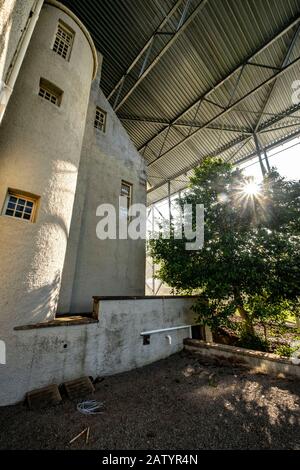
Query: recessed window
126	192
20	205
63	40
50	92
100	119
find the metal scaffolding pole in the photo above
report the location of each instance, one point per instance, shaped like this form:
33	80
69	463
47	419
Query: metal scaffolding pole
153	266
267	161
258	151
169	203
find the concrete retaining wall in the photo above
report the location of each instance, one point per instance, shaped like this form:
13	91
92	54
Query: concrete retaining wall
258	361
40	356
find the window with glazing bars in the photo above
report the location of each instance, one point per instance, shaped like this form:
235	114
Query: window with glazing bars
63	41
126	192
100	119
50	92
20	206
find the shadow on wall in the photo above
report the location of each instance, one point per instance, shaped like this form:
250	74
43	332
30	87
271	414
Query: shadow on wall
42	302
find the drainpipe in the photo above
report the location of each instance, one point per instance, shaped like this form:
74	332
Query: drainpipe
7	86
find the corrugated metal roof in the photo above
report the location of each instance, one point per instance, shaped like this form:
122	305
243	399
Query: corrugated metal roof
177	112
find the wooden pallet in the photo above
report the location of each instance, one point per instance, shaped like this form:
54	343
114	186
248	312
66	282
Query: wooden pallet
79	388
43	397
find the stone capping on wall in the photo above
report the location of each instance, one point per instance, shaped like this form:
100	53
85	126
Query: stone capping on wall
62	321
262	361
142	297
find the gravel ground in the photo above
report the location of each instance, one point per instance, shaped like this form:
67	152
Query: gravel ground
177	403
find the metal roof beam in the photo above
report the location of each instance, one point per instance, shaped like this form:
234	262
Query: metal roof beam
284	63
270	146
150	120
206	95
146	69
242	160
264	66
167	123
230	108
146	47
266	125
280	128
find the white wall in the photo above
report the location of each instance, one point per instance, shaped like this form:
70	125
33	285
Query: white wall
93	266
37	357
40	147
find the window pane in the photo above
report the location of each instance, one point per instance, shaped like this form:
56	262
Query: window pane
63	41
19	207
100	119
125	190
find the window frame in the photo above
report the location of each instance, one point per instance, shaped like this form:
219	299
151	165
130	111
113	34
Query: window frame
51	89
103	129
19	194
130	186
68	30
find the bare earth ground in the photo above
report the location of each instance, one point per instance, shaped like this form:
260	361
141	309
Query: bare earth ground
177	403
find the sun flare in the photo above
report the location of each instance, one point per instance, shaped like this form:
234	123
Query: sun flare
251	188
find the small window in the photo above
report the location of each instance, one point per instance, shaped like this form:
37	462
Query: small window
50	92
63	40
100	119
126	191
20	205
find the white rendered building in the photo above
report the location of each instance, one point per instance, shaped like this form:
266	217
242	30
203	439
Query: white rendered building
63	153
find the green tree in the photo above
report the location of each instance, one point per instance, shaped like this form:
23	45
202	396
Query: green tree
250	261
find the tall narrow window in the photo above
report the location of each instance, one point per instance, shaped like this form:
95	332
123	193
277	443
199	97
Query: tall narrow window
63	40
100	119
20	205
126	192
50	92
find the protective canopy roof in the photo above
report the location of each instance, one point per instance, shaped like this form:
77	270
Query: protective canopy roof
192	78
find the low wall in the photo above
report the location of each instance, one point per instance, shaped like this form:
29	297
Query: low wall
38	355
258	361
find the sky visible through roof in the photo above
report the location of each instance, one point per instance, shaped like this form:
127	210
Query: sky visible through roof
285	158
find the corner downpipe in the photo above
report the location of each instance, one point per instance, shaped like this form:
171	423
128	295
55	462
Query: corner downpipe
7	87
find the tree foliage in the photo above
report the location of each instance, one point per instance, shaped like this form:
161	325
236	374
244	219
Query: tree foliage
250	261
